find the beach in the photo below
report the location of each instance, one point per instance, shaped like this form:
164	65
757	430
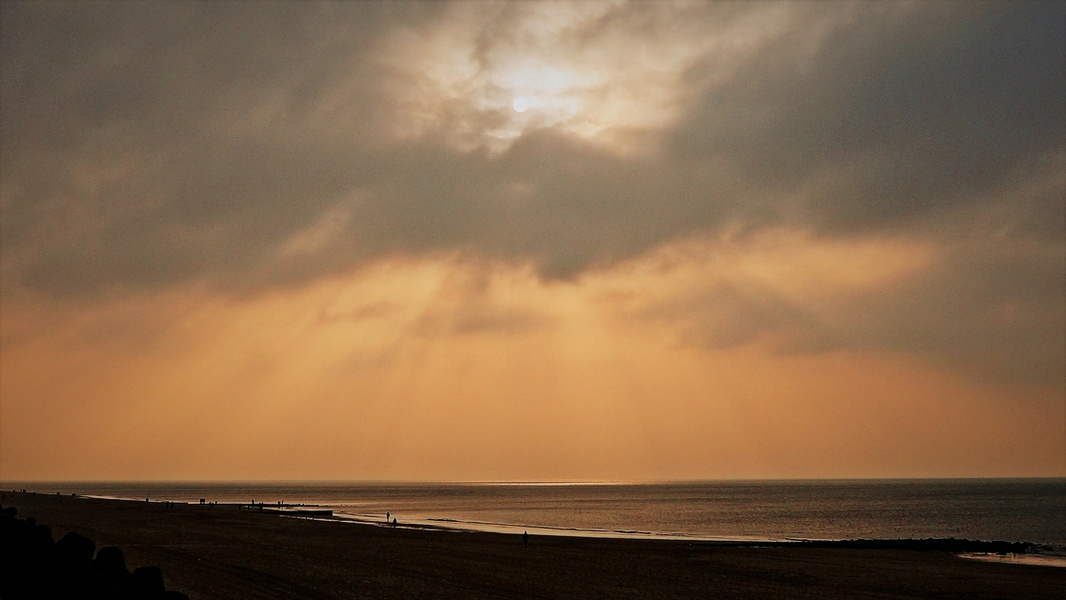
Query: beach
223	551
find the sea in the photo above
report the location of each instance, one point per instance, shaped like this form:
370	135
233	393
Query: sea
1016	510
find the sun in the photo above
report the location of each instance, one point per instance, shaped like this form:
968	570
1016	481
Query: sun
520	104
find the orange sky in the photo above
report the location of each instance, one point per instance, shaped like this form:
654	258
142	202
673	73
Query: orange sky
438	369
342	254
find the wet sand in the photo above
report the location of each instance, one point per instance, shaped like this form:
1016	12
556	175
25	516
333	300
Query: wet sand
221	552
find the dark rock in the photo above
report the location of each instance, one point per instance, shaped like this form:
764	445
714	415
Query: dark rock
16	566
110	568
110	558
33	566
14	536
41	538
72	573
76	547
147	582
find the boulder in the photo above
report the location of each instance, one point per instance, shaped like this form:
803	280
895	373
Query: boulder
110	567
147	582
76	547
41	539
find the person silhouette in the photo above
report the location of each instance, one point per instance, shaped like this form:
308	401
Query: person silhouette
387	516
525	538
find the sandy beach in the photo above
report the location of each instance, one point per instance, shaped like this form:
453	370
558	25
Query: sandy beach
222	552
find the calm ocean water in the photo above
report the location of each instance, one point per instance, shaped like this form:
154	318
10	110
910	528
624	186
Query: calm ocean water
1031	510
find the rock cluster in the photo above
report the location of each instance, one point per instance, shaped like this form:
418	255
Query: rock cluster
32	565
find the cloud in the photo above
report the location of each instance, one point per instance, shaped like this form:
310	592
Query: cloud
900	113
470	319
722	315
476	299
975	308
153	145
989	312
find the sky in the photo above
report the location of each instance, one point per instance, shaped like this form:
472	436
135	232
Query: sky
532	241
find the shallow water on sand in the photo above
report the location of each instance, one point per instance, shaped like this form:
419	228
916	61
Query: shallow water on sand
1032	510
1041	559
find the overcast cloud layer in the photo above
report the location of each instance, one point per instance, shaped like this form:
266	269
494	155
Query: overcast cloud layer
148	146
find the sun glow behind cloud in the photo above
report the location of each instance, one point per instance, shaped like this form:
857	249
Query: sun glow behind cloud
604	91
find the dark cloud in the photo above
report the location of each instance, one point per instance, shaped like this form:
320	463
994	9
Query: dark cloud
473	318
905	115
153	144
369	311
548	199
992	311
725	315
986	311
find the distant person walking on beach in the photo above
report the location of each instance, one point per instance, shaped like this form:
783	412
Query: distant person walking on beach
525	538
387	515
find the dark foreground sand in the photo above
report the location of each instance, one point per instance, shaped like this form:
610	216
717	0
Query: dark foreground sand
220	552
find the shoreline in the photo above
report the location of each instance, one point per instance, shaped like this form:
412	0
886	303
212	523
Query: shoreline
219	551
961	546
986	550
327	512
324	512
